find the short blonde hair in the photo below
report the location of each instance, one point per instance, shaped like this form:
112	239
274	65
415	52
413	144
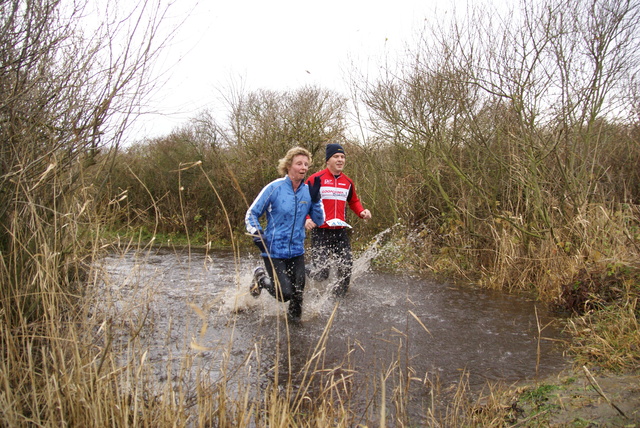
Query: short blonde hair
285	163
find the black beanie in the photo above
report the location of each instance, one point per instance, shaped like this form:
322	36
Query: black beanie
332	149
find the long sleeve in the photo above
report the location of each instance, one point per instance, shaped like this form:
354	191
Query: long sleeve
256	210
354	202
317	212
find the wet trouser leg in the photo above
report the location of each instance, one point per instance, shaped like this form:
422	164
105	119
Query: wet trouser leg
330	246
320	254
344	260
289	286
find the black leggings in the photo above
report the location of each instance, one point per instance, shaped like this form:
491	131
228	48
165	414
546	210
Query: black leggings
331	247
291	277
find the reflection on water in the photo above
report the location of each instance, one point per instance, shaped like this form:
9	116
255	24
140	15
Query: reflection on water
198	304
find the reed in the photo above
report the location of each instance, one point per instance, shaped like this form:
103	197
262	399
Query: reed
609	336
482	186
74	351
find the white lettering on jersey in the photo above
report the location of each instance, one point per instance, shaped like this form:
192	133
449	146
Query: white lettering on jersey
334	193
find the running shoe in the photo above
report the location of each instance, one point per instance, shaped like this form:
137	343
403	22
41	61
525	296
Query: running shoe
255	289
294	313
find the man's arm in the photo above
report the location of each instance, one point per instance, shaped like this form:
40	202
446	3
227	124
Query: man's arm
356	205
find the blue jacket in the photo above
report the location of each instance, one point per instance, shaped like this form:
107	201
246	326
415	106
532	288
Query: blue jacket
286	212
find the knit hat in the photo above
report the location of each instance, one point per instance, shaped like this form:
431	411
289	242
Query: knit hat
332	149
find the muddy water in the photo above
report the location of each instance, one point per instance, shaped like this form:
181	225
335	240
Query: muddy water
197	305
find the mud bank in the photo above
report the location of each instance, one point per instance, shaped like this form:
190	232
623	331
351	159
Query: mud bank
579	398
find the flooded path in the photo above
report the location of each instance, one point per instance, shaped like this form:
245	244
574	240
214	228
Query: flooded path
198	305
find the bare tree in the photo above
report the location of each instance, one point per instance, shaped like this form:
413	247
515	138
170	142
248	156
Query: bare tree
522	93
264	124
67	93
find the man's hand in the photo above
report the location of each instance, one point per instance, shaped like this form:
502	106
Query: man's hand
309	224
365	214
314	189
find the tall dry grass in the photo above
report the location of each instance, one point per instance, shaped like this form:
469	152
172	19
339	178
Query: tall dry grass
484	183
70	358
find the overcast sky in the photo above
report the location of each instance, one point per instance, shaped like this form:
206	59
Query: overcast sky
278	44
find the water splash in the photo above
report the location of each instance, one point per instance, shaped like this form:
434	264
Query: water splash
318	298
362	263
318	294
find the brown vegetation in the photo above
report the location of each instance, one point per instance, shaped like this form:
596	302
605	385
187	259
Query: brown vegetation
502	151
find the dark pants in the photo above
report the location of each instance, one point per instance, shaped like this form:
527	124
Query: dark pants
331	248
290	281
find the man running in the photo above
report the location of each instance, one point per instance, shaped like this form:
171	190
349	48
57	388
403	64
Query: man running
330	240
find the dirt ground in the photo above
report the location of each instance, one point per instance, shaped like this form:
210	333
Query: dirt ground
581	398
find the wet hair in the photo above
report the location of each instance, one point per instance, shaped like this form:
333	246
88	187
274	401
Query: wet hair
285	163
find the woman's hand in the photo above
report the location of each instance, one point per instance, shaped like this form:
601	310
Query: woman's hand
309	224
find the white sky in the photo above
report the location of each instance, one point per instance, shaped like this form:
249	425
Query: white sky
278	44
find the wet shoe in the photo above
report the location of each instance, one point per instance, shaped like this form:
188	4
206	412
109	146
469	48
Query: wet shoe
255	289
294	313
294	318
339	291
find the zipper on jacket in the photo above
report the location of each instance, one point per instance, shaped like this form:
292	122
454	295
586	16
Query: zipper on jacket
295	216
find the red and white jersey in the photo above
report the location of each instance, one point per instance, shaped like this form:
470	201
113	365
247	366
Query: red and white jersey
337	192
